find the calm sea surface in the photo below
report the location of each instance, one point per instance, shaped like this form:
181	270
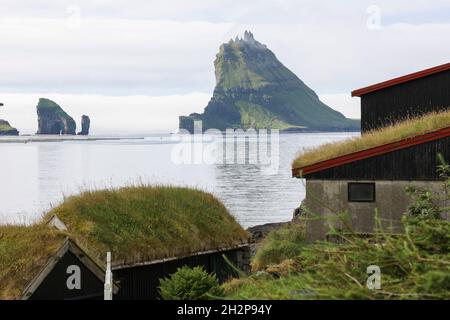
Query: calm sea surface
35	176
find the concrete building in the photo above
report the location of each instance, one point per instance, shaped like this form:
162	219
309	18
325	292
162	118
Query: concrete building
373	179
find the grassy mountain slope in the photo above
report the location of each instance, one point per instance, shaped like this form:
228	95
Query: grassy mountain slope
254	89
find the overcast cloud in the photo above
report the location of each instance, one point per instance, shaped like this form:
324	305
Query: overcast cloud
160	53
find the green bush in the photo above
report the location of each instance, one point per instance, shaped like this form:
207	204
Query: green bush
434	282
424	205
190	284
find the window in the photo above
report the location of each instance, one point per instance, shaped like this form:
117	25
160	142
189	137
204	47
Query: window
361	192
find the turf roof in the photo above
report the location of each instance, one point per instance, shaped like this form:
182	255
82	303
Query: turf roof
24	251
400	131
144	223
137	224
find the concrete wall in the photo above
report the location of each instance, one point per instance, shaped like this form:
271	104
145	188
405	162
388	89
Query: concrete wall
325	198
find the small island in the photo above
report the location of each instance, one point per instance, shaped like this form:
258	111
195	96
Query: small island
52	119
6	129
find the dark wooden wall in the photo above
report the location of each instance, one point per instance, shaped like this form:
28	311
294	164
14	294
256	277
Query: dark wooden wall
414	163
417	97
54	286
141	283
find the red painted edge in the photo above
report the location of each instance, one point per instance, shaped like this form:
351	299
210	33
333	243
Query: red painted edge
395	81
372	152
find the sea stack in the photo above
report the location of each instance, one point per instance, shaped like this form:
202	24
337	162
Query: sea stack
85	125
6	129
255	90
52	119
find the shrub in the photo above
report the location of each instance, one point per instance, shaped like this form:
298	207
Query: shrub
424	205
190	284
431	235
434	282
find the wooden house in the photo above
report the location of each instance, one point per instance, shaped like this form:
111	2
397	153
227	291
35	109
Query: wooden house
140	280
405	125
152	231
149	231
40	263
404	97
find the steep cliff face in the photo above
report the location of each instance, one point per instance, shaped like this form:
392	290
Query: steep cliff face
85	125
7	130
52	119
254	89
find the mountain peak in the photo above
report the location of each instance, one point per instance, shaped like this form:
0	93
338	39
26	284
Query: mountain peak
248	38
254	89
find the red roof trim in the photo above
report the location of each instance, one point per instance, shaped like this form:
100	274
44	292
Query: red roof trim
395	81
372	152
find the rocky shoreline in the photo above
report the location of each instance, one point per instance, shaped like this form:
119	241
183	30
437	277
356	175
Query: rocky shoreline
259	232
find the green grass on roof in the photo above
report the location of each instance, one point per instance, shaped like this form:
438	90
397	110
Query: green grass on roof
406	129
143	223
137	224
23	253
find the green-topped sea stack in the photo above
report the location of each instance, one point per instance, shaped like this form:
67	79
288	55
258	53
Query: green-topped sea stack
52	119
255	90
6	129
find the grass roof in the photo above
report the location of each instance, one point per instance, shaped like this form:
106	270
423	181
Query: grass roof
24	251
144	223
403	130
137	224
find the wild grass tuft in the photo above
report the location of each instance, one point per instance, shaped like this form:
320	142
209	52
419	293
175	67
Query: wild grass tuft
279	245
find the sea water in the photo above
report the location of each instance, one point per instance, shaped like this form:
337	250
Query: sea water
37	175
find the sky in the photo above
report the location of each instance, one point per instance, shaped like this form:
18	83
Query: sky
138	65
